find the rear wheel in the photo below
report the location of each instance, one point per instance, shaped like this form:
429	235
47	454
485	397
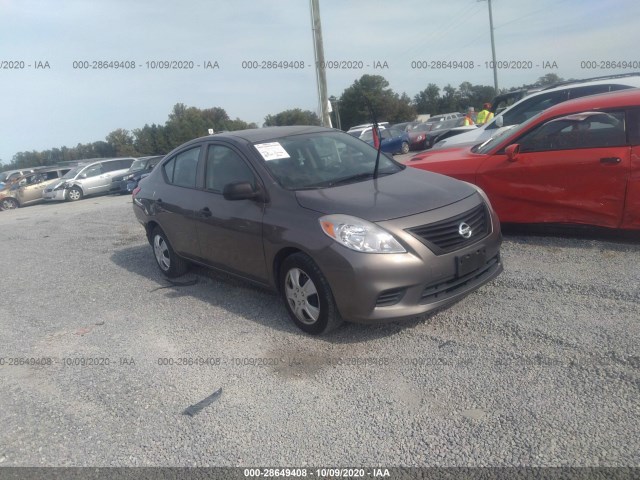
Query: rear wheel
405	147
9	203
307	295
168	261
74	194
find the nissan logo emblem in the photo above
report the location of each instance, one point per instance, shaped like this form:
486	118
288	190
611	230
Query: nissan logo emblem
465	230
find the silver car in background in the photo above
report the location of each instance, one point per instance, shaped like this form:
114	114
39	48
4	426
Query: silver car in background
93	177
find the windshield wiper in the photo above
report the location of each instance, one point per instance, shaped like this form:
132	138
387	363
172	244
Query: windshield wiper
356	177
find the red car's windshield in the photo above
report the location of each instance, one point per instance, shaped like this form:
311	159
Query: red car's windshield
490	144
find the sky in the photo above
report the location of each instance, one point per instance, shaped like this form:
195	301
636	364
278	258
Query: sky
49	100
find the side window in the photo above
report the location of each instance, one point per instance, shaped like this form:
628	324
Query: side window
110	166
125	163
589	90
225	166
634	126
182	169
94	170
533	105
583	130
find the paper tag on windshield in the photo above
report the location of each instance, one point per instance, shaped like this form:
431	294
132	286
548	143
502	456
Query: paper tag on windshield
272	151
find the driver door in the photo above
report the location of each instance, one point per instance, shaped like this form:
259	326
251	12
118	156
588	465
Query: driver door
569	170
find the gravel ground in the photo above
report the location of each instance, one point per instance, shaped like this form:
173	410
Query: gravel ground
539	368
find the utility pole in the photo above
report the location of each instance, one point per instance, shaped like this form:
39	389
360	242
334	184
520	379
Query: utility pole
318	51
493	49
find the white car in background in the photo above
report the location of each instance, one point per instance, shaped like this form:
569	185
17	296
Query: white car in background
536	102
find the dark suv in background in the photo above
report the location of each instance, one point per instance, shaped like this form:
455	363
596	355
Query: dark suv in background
129	181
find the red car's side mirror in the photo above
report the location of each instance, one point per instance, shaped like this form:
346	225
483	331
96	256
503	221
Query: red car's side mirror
512	152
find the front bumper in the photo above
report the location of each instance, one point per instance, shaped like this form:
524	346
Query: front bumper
374	288
55	194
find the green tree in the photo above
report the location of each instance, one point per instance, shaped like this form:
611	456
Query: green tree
121	141
427	100
295	116
151	140
448	101
388	105
548	79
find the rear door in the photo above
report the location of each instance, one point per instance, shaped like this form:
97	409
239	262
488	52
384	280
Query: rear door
111	169
570	170
176	199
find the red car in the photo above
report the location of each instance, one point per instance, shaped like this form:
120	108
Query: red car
575	163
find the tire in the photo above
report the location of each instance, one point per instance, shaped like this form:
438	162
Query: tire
307	295
74	194
169	263
405	147
8	203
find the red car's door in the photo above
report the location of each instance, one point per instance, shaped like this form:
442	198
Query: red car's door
569	170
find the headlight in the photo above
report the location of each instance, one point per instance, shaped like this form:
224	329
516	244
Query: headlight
420	138
61	186
359	235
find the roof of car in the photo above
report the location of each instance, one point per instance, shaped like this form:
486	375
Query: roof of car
257	135
589	81
620	98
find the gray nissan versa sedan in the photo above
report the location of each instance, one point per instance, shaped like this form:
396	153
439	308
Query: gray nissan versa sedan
300	210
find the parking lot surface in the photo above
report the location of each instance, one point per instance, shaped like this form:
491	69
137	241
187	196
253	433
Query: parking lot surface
101	356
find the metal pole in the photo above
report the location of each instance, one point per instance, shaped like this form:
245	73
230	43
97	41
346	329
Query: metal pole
493	51
318	50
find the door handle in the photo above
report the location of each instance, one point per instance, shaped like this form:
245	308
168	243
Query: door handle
610	160
205	212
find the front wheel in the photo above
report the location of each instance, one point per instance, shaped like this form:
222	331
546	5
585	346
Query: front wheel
168	261
74	194
307	295
8	204
405	147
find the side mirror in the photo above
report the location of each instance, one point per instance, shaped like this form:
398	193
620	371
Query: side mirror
240	191
512	152
499	121
84	175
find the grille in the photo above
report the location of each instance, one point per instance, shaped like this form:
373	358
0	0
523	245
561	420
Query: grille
447	288
444	236
390	297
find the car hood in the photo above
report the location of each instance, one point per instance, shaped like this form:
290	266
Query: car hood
459	152
405	193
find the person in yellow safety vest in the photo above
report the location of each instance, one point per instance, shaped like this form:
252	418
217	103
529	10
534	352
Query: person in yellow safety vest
485	115
468	118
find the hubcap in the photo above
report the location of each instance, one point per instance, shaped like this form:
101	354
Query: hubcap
74	194
161	250
302	295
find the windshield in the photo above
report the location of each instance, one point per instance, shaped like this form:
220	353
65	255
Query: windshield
321	160
138	164
494	141
73	172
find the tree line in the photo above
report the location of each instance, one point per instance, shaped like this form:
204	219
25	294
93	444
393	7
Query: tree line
185	123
